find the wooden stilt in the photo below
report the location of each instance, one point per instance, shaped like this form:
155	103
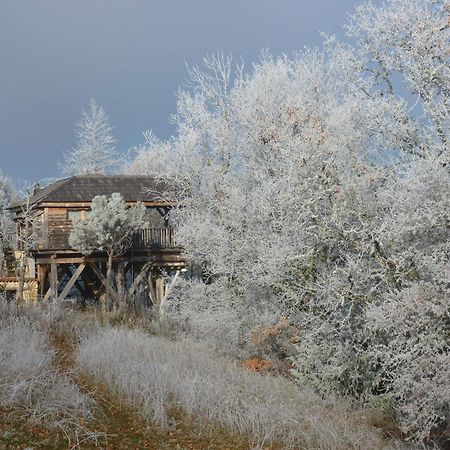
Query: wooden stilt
47	294
163	291
54	277
159	287
42	271
151	290
138	280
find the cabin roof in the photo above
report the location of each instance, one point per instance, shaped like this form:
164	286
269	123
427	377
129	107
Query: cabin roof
83	188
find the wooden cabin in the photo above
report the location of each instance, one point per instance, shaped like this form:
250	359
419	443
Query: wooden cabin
51	213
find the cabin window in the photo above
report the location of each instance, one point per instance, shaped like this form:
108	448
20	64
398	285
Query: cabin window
73	215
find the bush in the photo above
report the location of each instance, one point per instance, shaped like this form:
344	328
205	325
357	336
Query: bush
412	351
206	312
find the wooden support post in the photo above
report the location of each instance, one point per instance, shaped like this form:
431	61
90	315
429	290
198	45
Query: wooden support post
71	282
164	291
171	284
42	271
159	287
47	294
139	279
151	290
54	277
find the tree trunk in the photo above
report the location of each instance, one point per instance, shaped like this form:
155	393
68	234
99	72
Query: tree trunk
120	281
21	278
108	298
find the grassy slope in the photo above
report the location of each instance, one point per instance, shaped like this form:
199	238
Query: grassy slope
121	423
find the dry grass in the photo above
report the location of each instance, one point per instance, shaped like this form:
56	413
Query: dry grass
157	376
31	388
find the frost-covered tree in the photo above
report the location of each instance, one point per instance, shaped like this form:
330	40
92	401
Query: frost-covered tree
108	228
318	187
95	151
154	158
27	236
7	193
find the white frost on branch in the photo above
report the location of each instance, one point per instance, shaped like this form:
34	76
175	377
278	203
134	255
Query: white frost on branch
311	186
95	152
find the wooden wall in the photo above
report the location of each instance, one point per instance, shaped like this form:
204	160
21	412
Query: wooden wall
59	229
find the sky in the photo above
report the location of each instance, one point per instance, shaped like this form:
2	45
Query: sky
131	56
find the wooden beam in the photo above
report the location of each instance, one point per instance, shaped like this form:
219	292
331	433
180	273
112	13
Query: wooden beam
80	288
171	285
71	282
162	293
159	287
151	290
165	257
139	279
47	294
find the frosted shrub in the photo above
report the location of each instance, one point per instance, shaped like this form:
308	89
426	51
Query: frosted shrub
156	375
413	352
205	312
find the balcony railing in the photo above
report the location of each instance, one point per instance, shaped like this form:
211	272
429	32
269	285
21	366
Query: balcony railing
154	238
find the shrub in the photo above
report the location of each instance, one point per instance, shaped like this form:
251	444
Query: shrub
412	352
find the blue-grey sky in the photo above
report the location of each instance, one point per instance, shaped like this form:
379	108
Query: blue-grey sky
130	56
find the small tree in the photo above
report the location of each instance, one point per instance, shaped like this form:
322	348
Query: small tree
26	240
95	152
109	228
7	193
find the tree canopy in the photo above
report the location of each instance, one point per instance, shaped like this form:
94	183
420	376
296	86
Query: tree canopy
318	185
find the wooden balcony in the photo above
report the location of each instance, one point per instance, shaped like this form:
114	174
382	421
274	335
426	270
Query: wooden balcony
154	238
147	238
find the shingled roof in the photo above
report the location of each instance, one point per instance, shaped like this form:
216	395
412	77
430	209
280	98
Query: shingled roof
83	188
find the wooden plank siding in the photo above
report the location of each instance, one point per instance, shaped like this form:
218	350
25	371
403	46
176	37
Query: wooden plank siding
59	229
